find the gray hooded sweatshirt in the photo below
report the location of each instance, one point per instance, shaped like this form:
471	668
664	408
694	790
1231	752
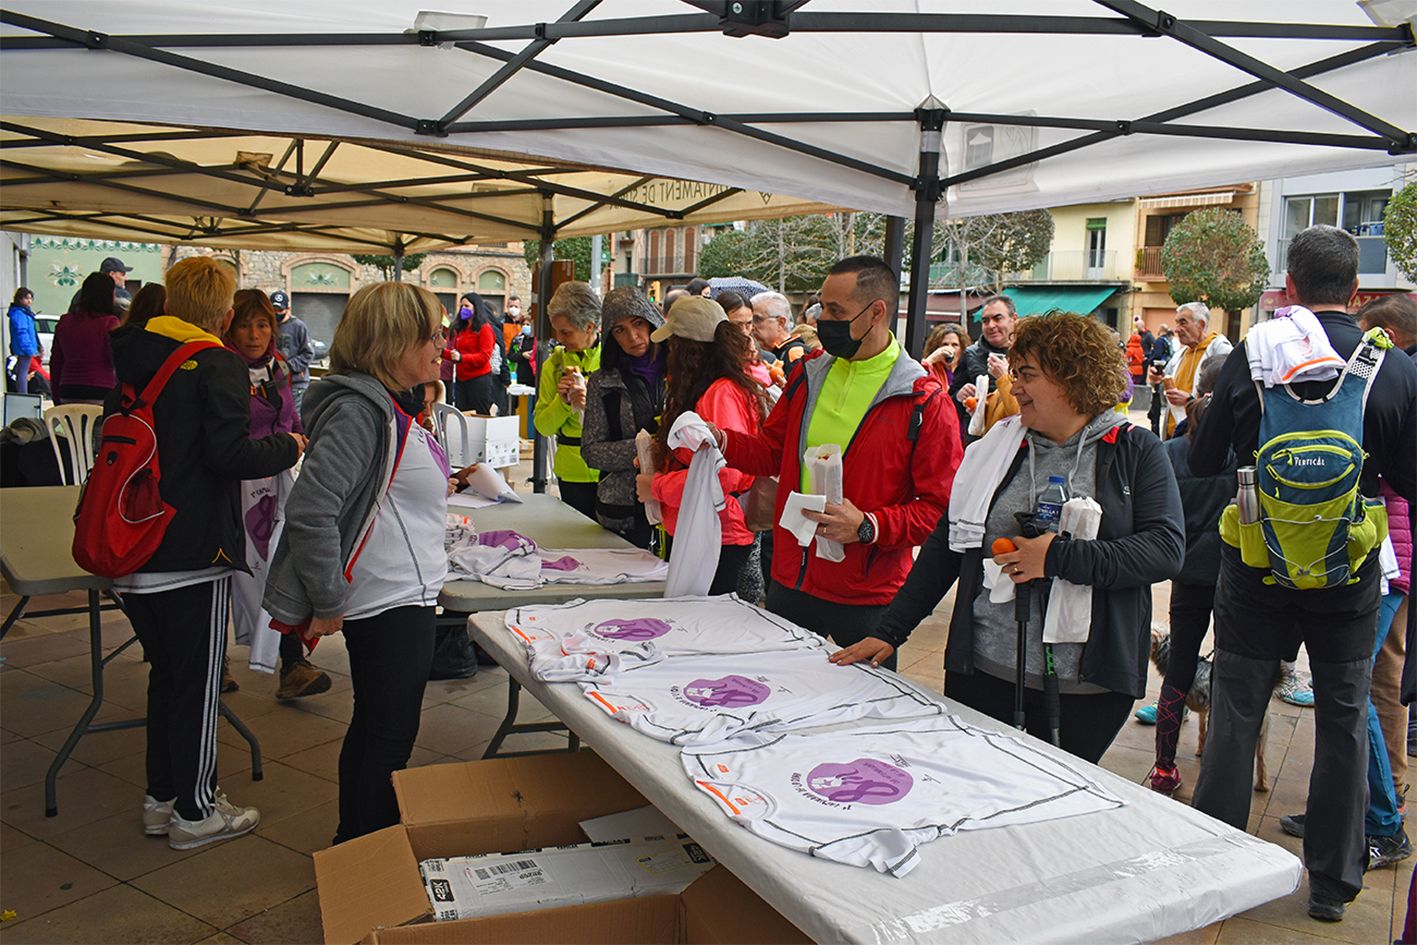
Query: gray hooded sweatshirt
350	421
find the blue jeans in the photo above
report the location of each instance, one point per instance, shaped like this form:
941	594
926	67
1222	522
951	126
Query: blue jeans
1382	819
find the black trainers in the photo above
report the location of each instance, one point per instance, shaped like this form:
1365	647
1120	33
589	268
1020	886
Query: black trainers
1385	851
1293	825
1325	909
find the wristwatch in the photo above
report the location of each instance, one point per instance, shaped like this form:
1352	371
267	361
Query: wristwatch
866	531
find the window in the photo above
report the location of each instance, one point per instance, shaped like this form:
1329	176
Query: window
690	249
1158	227
444	284
1358	212
1096	243
492	286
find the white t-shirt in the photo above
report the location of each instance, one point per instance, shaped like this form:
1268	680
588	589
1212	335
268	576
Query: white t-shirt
699	700
589	640
842	795
402	562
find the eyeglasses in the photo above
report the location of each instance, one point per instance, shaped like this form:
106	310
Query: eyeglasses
440	338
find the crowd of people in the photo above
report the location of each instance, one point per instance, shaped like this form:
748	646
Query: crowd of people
955	472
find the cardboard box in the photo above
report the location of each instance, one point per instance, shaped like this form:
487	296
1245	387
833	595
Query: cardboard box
370	888
476	439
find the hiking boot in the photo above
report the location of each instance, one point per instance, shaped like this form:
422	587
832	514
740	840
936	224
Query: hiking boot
1146	715
1294	690
1165	779
225	822
1325	909
1293	825
228	681
157	815
1385	851
300	679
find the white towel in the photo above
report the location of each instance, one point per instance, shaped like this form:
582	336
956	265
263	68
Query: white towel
980	473
823	465
1001	586
698	533
644	449
1069	617
1291	347
981	403
792	519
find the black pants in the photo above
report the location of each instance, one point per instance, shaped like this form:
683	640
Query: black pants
844	624
389	658
292	650
1086	723
183	633
1256	626
579	496
1191	605
731	559
475	393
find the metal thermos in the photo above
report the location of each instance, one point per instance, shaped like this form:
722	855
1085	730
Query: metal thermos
1247	497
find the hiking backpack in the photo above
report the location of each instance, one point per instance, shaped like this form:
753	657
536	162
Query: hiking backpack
121	517
1315	528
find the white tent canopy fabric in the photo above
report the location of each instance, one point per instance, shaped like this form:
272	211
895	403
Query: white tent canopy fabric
1189	98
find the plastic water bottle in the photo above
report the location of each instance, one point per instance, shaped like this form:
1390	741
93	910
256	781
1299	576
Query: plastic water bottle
1050	504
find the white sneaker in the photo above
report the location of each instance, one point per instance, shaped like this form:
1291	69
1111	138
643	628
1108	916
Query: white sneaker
157	815
225	822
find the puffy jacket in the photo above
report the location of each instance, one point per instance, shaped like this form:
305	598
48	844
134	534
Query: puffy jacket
1399	524
1141	541
474	345
726	406
202	418
1136	356
24	334
899	467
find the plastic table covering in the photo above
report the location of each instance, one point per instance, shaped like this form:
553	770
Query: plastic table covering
550	523
1148	870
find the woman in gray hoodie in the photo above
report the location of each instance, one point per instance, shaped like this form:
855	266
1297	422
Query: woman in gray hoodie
362	551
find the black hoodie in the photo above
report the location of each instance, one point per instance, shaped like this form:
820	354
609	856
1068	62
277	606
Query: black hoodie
202	418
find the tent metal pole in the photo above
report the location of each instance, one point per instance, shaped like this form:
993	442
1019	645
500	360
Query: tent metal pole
539	457
895	243
927	194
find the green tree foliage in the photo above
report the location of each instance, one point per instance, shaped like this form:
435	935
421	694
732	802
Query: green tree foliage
576	249
1214	256
995	243
1400	230
729	253
385	264
792	254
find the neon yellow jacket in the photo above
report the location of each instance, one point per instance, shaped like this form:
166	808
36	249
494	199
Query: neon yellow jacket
555	417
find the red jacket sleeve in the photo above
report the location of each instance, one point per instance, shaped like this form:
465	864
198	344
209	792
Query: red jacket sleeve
727	407
760	453
937	454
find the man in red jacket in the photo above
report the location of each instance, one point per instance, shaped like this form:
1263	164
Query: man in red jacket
900	443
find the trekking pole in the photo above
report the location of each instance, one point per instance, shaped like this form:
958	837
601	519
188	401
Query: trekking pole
1021	602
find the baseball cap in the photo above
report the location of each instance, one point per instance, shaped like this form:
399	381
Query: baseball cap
279	300
693	317
113	264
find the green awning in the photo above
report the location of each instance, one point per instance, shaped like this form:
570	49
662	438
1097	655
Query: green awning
1040	300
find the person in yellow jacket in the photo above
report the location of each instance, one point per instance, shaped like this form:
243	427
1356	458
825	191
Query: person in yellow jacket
574	311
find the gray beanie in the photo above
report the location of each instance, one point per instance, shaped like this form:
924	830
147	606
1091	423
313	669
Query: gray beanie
625	302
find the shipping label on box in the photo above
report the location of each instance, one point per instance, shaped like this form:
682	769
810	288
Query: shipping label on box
466	887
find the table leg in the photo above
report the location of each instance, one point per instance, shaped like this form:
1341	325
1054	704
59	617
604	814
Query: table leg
510	726
256	772
14	615
51	800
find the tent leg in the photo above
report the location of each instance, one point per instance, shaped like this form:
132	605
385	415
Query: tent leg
895	243
931	115
540	459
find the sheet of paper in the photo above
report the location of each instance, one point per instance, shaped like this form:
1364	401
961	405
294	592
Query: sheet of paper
635	824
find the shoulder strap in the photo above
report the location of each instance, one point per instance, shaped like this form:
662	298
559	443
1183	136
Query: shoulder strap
169	367
1367	360
917	418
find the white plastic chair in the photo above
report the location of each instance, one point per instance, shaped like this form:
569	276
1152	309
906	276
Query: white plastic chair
77	424
441	413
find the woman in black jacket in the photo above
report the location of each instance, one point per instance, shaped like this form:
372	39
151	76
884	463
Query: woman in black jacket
1068	376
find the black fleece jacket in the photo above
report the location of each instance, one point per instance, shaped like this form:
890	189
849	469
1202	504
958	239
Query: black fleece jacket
1141	541
202	418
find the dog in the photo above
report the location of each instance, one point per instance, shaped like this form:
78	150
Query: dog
1198	701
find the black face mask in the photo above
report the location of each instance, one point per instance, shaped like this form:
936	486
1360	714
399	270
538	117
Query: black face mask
835	335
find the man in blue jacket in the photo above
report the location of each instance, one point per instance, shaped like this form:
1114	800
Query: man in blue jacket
24	337
293	343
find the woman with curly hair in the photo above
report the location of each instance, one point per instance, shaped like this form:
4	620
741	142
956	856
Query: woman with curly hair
707	373
1068	375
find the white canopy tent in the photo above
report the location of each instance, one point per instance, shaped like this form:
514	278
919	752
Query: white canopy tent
910	107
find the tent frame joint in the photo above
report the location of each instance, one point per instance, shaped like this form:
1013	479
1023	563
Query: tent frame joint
431	128
1407	145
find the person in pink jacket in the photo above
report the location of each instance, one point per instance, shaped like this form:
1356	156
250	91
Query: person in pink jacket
708	358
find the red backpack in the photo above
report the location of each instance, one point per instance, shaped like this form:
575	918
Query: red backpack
121	517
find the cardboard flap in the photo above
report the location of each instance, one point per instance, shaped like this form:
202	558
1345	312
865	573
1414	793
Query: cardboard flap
368	882
503	805
719	910
650	921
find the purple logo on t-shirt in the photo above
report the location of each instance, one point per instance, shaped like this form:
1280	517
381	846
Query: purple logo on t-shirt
863	781
563	563
731	692
634	630
261	524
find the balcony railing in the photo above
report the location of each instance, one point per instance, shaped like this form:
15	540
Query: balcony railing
1149	264
1372	257
1072	265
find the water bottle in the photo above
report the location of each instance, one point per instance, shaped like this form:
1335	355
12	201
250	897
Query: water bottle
1247	497
1049	511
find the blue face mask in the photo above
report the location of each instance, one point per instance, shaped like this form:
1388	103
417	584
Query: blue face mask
526	329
